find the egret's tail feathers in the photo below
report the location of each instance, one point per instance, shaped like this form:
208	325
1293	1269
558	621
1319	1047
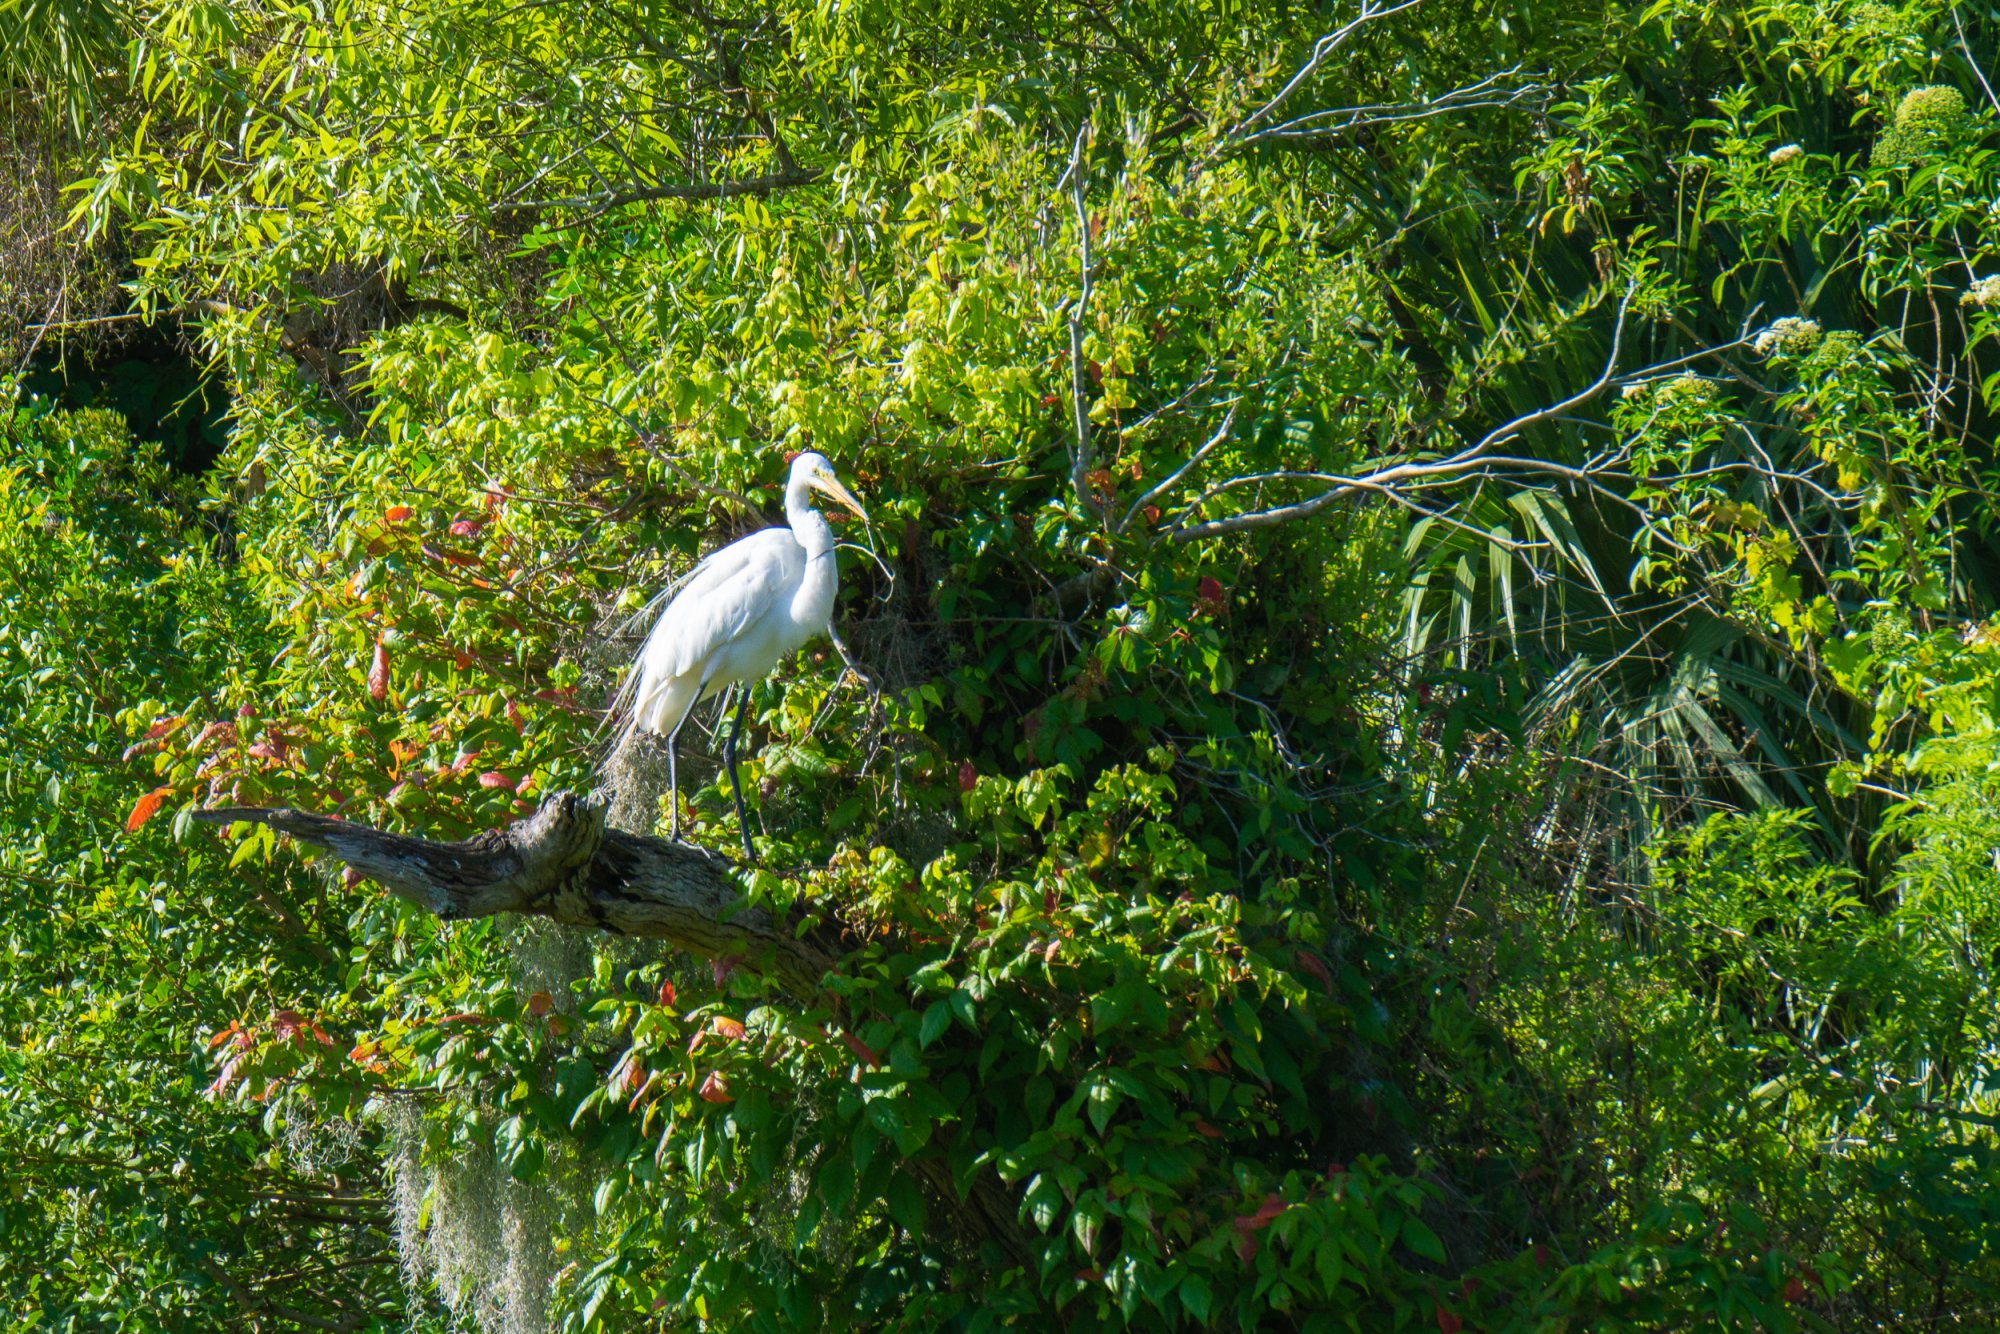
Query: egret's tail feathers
647	705
618	713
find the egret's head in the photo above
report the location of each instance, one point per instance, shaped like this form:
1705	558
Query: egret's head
811	469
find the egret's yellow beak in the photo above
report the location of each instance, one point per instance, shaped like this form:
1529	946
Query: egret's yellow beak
830	484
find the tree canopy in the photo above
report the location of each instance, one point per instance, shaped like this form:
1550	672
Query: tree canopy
1416	751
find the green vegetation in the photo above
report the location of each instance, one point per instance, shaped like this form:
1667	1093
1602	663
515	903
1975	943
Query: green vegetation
1428	674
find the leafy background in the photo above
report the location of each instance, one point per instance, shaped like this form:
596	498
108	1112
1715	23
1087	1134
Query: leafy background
1429	661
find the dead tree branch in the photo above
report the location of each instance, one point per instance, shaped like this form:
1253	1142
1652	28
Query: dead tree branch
565	864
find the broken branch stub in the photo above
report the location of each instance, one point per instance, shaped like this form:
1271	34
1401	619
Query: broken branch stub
565	864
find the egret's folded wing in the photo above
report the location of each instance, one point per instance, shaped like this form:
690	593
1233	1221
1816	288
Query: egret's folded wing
716	602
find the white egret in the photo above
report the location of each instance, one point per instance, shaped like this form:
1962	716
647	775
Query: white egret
742	610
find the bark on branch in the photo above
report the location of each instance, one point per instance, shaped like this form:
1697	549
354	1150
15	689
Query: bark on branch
565	864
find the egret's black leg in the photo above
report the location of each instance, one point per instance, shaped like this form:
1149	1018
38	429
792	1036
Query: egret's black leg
729	763
674	776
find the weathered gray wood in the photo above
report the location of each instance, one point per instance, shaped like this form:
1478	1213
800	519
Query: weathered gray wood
565	864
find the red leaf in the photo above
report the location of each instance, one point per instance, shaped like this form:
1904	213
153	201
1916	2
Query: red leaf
521	788
1211	594
1266	1213
397	513
1541	1256
494	778
1310	963
268	750
1448	1321
715	1088
164	726
540	1003
862	1051
1204	1128
725	1027
286	1024
1795	1289
350	877
1246	1246
143	811
1152	513
968	777
224	1036
224	1079
378	674
467	527
667	992
514	715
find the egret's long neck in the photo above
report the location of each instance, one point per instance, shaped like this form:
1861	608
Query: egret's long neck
809	526
812	601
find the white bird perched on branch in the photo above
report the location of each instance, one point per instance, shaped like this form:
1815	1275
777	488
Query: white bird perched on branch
734	618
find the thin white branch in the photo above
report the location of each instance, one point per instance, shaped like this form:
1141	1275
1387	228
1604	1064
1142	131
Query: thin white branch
1322	50
1083	456
1172	479
1475	460
1334	123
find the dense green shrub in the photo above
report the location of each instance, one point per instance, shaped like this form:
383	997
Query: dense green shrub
1426	669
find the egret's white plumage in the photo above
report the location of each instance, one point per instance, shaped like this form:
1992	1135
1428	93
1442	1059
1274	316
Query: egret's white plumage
740	612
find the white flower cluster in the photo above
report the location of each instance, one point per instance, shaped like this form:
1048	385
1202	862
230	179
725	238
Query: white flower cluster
1785	153
1793	335
1983	292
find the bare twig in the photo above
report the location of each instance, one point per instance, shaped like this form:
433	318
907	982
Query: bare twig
1320	128
1322	51
1395	480
1083	454
1172	479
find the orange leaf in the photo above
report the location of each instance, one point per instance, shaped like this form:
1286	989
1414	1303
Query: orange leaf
397	513
667	993
715	1088
494	778
725	1027
143	811
540	1003
378	674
